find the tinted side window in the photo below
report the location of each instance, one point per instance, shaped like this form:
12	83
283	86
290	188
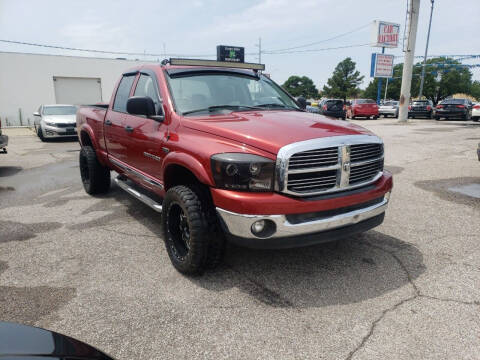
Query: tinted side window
120	102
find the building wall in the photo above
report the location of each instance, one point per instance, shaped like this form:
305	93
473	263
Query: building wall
26	80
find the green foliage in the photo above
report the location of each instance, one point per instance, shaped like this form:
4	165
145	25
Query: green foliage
344	81
301	86
475	90
441	81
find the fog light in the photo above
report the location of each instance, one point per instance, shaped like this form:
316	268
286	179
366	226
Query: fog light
258	226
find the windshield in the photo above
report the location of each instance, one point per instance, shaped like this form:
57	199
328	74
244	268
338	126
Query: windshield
59	110
227	91
365	101
421	102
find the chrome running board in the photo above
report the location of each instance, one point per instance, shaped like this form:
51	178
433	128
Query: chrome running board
142	197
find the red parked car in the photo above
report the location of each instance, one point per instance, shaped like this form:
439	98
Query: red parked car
224	153
362	108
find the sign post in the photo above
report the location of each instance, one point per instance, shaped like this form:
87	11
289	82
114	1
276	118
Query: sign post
384	34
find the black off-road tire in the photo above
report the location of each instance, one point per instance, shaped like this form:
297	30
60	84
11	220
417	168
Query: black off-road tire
95	176
204	245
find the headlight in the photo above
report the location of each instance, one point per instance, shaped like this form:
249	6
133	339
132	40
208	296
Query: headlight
246	172
50	123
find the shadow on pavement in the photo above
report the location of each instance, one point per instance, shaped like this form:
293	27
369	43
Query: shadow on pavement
344	272
9	170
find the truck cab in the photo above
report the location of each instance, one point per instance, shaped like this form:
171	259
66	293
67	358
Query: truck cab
225	154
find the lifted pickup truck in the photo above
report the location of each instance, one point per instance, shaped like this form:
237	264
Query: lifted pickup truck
224	153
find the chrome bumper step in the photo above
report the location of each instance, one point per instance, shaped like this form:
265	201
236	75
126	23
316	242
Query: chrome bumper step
123	183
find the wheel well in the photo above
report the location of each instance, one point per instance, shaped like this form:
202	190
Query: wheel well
85	139
178	175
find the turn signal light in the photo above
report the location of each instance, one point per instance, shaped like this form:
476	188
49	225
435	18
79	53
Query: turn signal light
439	106
429	108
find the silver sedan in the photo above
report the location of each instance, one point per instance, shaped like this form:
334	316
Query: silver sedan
54	121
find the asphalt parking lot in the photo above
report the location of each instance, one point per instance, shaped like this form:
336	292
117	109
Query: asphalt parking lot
95	268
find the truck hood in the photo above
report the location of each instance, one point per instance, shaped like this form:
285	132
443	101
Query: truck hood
271	130
60	119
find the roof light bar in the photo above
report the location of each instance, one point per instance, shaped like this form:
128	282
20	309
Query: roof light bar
228	64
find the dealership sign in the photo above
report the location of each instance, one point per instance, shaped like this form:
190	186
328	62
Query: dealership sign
385	34
230	53
382	66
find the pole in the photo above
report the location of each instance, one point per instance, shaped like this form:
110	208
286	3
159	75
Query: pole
422	79
408	62
259	50
385	96
379	85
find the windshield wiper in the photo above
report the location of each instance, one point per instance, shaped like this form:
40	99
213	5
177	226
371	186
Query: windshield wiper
278	105
217	107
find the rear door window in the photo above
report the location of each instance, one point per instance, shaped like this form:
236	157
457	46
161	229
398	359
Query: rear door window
123	91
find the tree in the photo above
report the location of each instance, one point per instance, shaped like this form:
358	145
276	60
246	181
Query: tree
301	86
443	78
475	90
344	81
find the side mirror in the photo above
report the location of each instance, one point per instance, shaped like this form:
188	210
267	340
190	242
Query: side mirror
143	105
36	113
302	102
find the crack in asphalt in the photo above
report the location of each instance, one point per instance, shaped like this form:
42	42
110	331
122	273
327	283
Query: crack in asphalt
417	294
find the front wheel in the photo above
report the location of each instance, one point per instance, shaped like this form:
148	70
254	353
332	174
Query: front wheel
95	176
40	134
192	237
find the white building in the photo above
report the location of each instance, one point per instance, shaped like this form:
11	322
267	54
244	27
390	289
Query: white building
30	80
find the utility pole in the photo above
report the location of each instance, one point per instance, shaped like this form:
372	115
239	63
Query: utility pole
259	50
422	79
413	12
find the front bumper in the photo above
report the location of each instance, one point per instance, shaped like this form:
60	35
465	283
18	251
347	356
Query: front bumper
284	227
3	141
387	111
53	131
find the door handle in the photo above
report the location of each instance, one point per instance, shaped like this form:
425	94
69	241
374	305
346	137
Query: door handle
128	129
108	122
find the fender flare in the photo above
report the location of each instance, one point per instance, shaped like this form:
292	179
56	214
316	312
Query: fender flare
101	155
190	163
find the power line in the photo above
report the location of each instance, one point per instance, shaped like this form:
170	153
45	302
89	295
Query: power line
105	51
318	42
170	55
315	50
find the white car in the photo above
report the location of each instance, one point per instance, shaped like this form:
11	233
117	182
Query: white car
54	121
476	111
388	108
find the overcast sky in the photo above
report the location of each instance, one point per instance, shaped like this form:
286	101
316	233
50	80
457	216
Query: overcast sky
196	27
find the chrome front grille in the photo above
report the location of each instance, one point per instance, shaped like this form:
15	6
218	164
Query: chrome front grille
329	164
313	158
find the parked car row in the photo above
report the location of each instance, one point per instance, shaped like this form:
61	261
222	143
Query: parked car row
55	121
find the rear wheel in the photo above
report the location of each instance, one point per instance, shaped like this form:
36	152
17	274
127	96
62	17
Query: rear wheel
95	176
437	118
375	117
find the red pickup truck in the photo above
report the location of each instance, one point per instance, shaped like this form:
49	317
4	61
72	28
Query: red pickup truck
224	153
